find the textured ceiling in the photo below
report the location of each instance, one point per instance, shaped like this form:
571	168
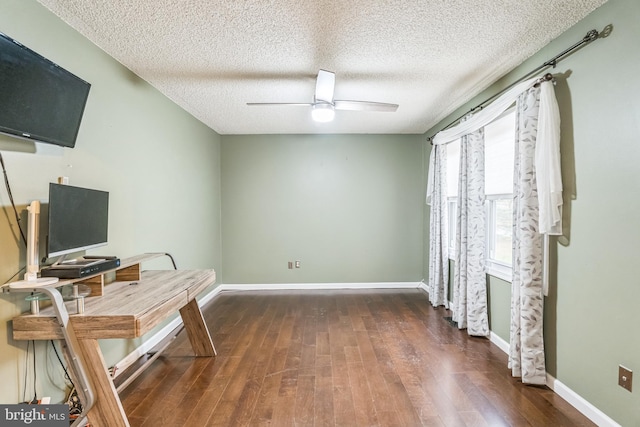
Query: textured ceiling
428	56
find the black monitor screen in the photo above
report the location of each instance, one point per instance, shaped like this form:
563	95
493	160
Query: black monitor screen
78	219
38	99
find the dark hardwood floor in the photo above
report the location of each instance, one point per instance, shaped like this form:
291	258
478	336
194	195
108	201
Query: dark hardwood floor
337	358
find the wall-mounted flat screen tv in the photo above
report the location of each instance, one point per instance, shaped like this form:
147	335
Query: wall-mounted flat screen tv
78	219
39	100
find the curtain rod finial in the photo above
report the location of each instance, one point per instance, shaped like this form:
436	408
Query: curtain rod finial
591	36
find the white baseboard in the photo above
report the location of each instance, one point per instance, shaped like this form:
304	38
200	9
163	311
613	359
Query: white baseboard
573	398
317	286
423	286
146	346
206	298
502	344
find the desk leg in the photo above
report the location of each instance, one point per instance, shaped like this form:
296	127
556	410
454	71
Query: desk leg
197	330
107	410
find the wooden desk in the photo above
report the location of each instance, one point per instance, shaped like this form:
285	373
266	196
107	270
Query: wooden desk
125	310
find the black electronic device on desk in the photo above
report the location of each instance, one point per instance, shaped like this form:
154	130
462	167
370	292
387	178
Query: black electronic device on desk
79	268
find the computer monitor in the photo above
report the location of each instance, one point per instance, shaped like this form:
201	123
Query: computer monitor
78	219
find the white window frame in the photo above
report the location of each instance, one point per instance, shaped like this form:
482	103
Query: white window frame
452	205
494	267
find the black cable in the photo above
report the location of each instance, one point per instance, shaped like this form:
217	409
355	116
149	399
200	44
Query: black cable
11	278
15	211
32	344
66	373
35	395
172	260
26	361
75	406
24	240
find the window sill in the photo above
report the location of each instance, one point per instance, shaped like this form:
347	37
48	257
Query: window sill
500	271
495	269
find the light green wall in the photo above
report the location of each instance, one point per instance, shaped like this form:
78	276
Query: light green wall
160	165
348	207
426	212
499	300
591	314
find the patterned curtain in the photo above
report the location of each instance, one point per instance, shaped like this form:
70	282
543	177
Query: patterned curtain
470	280
438	286
537	212
526	353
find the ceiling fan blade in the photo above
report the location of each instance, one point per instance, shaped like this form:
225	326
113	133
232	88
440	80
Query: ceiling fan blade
365	106
325	85
294	104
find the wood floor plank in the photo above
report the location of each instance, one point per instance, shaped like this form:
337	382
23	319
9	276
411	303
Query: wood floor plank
337	358
497	388
375	379
152	405
204	413
365	414
344	410
412	369
483	406
263	412
250	394
177	402
241	394
305	400
323	394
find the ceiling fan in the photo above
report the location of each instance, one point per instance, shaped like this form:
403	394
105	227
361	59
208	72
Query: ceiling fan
324	106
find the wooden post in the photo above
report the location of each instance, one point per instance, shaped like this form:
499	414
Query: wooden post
107	410
197	330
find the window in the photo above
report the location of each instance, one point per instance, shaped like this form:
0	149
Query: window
499	220
499	152
453	170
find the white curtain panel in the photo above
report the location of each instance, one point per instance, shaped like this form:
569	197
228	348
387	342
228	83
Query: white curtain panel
548	171
485	116
526	352
438	286
470	278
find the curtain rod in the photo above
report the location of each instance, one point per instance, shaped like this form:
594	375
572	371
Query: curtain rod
588	38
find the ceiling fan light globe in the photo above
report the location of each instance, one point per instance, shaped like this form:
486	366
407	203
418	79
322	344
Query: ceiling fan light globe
323	113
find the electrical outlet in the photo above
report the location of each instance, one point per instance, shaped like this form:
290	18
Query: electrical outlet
297	264
290	265
625	377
